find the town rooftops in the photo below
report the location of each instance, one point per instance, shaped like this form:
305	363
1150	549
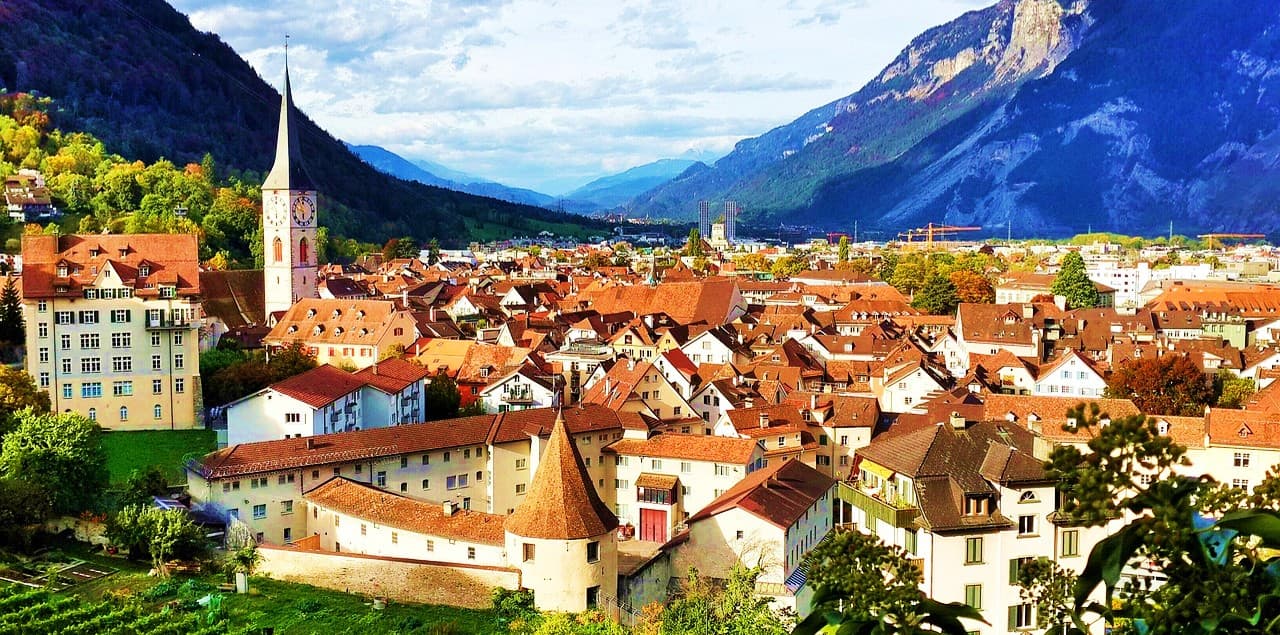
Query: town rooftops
64	266
562	503
779	495
338	322
319	386
392	375
692	447
385	508
237	298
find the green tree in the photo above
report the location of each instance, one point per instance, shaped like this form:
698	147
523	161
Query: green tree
865	586
937	297
842	249
142	485
441	398
11	329
433	251
23	505
693	247
1074	284
788	266
290	360
1208	543
1233	391
703	607
162	534
61	451
1048	586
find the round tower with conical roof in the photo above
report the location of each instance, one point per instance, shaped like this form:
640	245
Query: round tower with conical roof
562	537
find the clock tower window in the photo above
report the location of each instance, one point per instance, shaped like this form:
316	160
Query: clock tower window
277	249
302	251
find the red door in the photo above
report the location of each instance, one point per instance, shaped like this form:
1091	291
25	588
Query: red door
653	525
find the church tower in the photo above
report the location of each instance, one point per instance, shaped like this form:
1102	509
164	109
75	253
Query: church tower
288	218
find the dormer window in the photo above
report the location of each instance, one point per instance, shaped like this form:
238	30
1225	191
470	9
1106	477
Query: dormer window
124	252
311	313
977	505
62	271
144	271
293	329
317	330
1245	432
338	330
93	253
364	332
336	313
167	292
1162	428
484	372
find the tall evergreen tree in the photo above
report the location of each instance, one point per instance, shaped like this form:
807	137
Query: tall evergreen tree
694	246
11	329
1074	284
842	249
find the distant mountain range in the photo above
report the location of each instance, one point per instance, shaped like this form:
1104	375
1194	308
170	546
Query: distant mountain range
604	193
138	76
1045	116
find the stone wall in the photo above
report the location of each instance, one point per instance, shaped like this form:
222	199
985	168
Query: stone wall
397	579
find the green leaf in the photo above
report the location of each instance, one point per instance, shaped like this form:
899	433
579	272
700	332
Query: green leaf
1107	560
1263	523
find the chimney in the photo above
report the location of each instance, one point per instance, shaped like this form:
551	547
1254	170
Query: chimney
375	368
448	508
311	443
957	421
764	420
1028	311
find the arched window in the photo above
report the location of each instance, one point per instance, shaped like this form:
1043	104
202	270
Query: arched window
124	413
157	411
302	250
277	249
93	414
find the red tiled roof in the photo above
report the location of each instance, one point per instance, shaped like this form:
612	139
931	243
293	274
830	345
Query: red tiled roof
319	386
286	454
392	375
173	259
779	495
695	447
1243	428
384	508
562	503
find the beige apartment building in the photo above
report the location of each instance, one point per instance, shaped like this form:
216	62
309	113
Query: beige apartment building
111	323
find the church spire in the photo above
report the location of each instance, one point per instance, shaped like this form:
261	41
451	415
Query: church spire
288	172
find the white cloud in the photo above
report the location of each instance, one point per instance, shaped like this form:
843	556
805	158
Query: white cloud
543	93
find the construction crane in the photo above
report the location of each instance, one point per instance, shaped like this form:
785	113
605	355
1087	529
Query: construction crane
1209	238
928	232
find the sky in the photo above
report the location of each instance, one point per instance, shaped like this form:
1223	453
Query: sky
549	94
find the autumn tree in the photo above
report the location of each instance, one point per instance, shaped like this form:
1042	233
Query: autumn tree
1233	391
18	393
788	266
1168	385
937	297
972	287
1073	283
751	262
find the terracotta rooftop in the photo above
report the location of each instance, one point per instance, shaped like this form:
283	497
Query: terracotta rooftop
76	262
779	495
339	322
285	454
238	298
694	447
392	375
384	508
319	386
562	503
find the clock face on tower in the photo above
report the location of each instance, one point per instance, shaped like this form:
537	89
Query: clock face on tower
304	210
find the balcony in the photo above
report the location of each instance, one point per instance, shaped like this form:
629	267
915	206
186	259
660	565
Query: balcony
518	397
169	322
897	512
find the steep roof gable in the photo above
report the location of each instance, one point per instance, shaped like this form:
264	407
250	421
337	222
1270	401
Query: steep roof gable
562	503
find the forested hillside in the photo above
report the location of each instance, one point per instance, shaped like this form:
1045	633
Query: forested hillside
138	77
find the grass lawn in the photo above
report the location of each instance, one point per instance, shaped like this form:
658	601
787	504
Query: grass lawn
289	608
129	451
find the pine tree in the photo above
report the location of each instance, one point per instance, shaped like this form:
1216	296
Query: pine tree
1074	284
11	329
694	246
433	252
843	249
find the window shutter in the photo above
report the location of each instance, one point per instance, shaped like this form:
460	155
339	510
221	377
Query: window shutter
1013	618
1013	571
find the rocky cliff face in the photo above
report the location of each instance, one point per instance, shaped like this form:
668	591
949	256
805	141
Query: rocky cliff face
1047	117
940	77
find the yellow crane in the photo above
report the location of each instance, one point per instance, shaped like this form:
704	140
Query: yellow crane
1209	238
928	232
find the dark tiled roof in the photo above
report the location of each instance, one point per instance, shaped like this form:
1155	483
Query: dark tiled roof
779	495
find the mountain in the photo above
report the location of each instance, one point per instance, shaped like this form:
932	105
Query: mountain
1046	116
422	171
138	76
616	189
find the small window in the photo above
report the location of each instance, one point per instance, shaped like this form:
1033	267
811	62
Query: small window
530	550
471	553
593	551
